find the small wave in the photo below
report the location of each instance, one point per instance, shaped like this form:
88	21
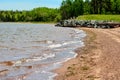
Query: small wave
44	41
63	44
51	77
21	61
71	42
55	45
78	31
75	54
45	56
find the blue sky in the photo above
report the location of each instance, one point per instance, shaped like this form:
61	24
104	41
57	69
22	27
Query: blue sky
28	4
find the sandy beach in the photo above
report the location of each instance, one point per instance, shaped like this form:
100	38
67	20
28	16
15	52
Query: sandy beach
98	60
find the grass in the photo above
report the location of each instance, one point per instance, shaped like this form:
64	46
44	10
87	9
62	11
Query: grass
100	17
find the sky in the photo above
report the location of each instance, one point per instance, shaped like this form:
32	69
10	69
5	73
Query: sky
28	4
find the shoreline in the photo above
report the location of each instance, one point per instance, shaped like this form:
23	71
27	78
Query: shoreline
97	60
68	69
32	22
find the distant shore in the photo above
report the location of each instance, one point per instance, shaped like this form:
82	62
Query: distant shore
98	60
32	22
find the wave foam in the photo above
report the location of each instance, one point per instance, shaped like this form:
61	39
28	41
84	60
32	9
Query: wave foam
55	45
63	44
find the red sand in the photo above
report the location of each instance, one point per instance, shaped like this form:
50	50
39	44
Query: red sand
98	60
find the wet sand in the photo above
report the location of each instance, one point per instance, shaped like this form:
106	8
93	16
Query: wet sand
98	60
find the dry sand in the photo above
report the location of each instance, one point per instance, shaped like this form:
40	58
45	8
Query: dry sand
98	60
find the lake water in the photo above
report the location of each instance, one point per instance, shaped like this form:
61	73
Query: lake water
31	51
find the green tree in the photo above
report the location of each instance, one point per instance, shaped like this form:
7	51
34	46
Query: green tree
78	8
37	14
101	6
116	6
87	7
71	8
66	9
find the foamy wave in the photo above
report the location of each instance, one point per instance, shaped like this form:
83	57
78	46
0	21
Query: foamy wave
63	44
71	42
55	45
66	59
78	31
45	56
49	42
51	77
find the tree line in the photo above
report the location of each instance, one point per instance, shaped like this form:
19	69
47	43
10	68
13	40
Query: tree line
74	8
42	14
68	9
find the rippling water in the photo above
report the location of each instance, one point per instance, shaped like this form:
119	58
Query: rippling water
31	51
